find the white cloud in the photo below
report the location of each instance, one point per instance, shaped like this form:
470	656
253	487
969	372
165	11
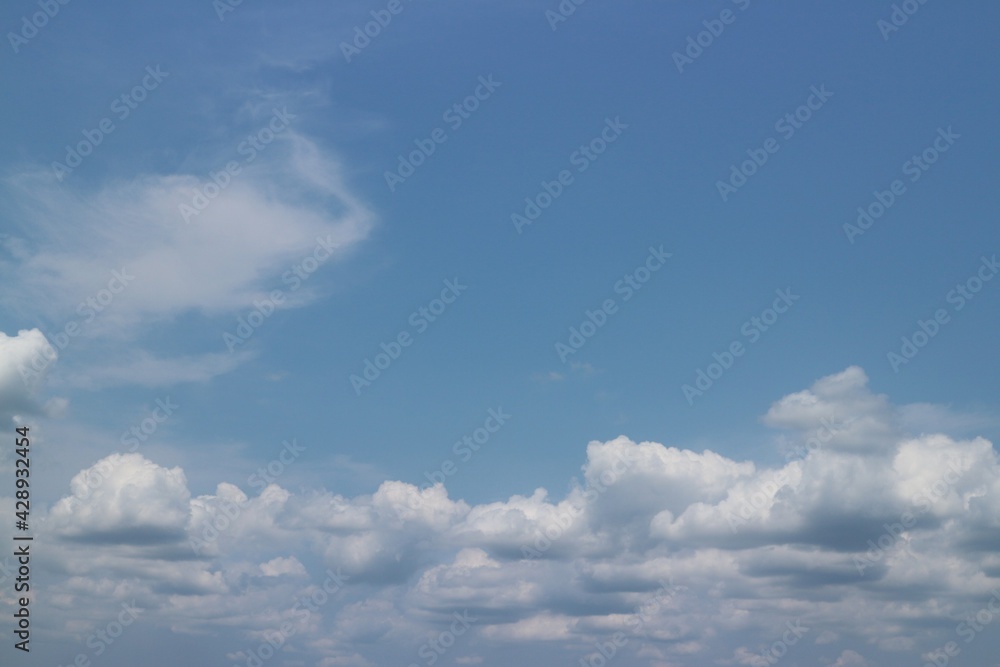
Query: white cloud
283	566
104	267
850	659
269	217
862	420
25	360
142	368
538	627
124	499
643	514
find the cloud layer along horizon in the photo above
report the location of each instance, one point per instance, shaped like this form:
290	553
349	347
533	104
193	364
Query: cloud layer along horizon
868	545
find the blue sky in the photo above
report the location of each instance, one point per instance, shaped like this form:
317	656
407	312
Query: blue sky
309	135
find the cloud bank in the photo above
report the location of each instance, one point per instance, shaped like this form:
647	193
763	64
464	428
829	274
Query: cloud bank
867	546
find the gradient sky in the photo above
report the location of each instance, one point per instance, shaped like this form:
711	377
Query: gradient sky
619	113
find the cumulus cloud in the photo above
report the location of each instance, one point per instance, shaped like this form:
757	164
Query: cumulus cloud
25	360
283	566
693	556
861	420
124	499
